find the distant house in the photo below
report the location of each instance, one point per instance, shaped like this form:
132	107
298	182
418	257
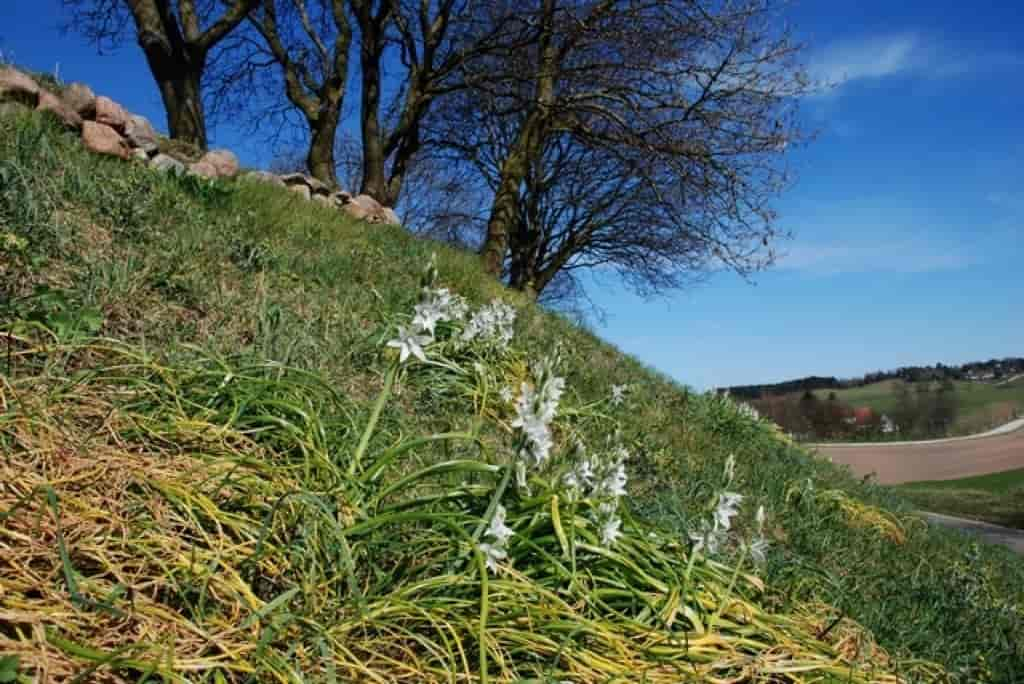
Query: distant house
887	425
863	415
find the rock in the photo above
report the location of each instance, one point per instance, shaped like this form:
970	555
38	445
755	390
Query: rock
48	102
224	162
167	164
111	114
141	134
265	177
203	168
313	184
16	86
365	208
317	186
341	198
300	189
324	200
103	139
140	154
80	97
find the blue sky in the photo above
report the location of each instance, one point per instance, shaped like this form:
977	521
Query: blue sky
908	209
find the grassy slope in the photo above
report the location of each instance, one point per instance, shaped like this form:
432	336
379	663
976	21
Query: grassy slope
997	498
981	405
246	270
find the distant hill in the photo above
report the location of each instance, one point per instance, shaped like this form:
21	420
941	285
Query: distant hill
993	370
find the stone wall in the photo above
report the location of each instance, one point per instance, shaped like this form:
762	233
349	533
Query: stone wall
109	129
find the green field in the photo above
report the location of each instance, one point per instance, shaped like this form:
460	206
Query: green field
980	405
996	498
215	469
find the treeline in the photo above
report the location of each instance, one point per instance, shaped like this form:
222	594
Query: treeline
991	370
922	411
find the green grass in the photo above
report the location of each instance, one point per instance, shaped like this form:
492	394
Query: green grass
980	405
993	482
190	371
996	498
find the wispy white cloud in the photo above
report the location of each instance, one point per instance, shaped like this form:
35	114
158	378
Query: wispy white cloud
905	256
901	54
873	57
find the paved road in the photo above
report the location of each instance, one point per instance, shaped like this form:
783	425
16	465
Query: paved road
947	459
990	533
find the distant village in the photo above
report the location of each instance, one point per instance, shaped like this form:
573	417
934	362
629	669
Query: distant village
924	405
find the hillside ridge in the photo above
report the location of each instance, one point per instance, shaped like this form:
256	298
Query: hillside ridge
222	466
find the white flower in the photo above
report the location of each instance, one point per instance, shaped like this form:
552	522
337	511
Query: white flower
491	323
437	306
426	318
498	529
492	555
452	306
582	475
610	530
506	394
618	394
409	343
535	409
759	550
614	483
707	540
728	507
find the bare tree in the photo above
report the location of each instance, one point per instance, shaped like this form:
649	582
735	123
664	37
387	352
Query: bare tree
643	134
176	37
297	48
431	40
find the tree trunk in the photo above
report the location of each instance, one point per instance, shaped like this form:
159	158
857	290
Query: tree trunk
374	178
504	214
177	73
183	102
528	145
320	159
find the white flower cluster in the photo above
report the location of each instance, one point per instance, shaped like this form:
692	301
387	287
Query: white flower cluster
496	550
436	306
601	479
492	323
711	537
535	409
598	479
618	394
611	523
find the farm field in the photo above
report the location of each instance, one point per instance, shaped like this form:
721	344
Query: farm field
996	498
941	460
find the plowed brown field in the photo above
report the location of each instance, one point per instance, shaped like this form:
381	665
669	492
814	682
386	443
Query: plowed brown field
947	460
